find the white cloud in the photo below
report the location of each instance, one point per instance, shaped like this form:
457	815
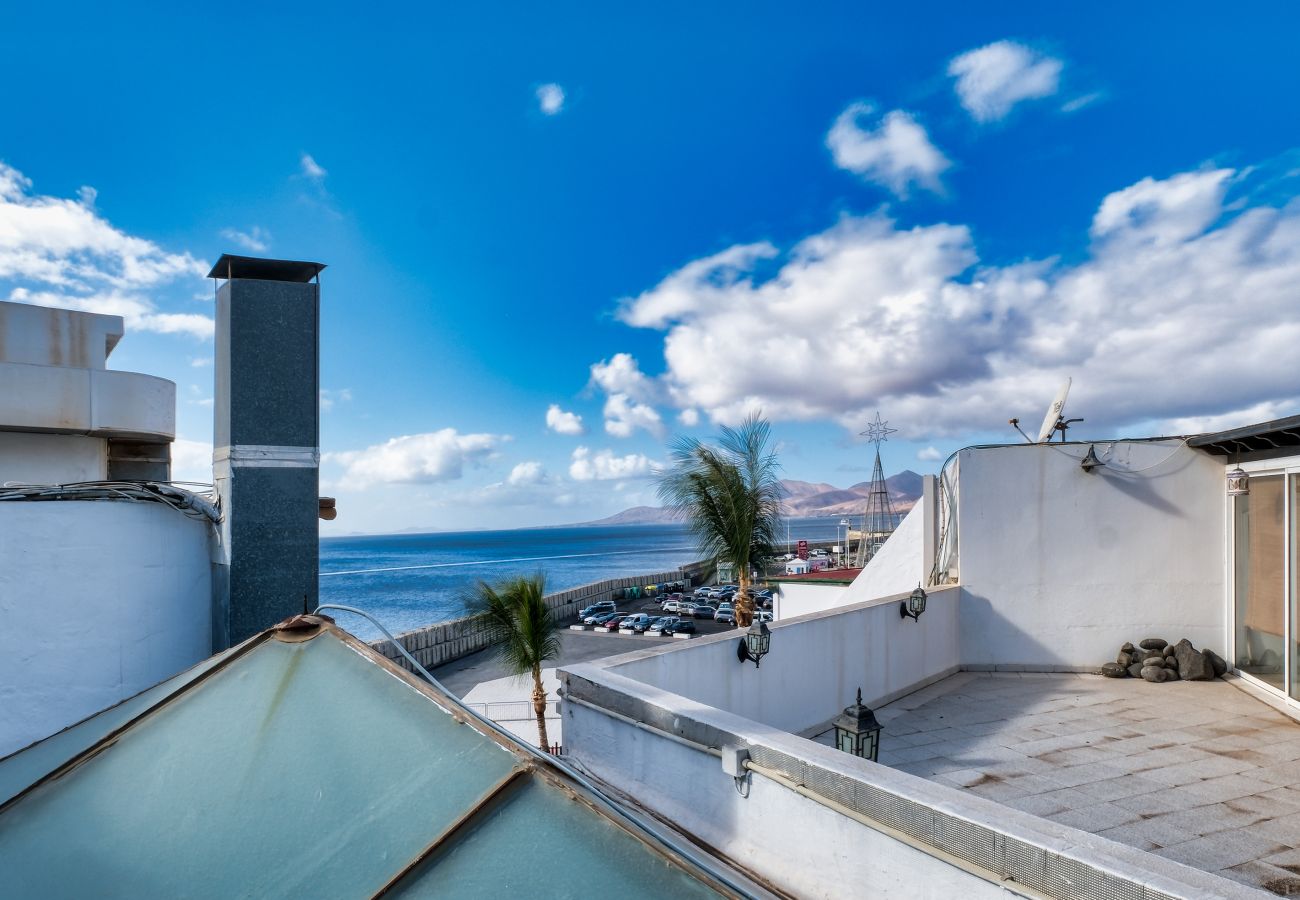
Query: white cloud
895	153
1183	308
200	362
623	416
689	417
191	461
255	240
550	98
526	473
416	458
994	78
60	252
929	454
1081	102
329	398
562	422
605	466
311	169
620	374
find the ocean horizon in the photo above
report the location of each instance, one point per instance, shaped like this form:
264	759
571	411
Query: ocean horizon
408	581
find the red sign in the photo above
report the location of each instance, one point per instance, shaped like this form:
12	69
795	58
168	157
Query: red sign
803	550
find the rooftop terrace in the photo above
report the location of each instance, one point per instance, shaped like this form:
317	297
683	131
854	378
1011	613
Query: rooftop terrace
1199	772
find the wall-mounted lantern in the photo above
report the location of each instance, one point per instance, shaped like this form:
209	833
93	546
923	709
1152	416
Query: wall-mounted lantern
857	731
755	644
914	605
1238	482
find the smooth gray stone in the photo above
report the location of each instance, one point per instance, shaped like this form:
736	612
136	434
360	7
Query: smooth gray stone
1124	659
1114	670
1127	648
1169	651
1135	670
1155	674
1153	644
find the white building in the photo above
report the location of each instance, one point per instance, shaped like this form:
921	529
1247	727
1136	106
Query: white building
105	582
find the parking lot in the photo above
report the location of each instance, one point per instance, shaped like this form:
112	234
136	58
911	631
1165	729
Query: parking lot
651	608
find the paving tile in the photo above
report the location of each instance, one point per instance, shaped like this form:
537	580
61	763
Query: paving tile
1217	851
1096	817
1284	830
1271	878
1146	834
1280	774
1225	787
1072	776
1118	788
1196	770
1048	804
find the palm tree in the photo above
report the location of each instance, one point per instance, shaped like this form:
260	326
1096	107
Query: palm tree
522	629
731	497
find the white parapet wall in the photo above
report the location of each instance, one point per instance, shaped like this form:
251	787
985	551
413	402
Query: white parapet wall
816	663
99	600
1059	566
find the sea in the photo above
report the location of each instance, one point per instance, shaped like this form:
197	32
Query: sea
408	581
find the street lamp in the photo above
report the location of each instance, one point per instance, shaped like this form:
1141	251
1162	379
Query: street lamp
755	644
857	731
914	605
844	547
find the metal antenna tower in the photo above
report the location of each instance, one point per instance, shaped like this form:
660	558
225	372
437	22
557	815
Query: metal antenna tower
878	522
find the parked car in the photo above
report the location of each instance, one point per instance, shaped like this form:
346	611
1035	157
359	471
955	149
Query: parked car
702	611
662	625
725	615
630	623
600	618
762	617
612	623
702	592
645	626
683	626
598	608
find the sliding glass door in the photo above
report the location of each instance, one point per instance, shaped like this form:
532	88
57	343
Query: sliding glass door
1260	588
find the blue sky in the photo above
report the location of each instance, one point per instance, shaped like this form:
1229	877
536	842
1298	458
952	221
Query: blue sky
657	220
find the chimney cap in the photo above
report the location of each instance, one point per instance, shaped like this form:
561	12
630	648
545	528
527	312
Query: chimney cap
230	266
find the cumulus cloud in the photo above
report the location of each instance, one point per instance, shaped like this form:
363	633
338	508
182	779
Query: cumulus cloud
562	422
255	240
416	458
57	251
929	454
550	98
311	170
605	466
894	152
191	461
689	417
1182	308
627	390
994	78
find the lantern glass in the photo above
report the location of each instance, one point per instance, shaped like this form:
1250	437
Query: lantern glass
857	731
1238	483
916	602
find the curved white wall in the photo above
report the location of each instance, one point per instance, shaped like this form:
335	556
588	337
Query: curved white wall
98	601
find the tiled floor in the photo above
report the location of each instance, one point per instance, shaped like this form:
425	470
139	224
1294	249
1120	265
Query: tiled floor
1199	772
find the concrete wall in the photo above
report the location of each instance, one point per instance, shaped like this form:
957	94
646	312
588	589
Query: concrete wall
98	601
794	598
1060	567
816	663
900	565
29	458
447	641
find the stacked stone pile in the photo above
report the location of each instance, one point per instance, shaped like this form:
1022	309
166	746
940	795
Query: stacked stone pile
1157	660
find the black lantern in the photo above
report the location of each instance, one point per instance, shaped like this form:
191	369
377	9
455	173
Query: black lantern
755	644
914	605
857	731
1238	482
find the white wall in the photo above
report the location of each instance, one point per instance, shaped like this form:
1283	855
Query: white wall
31	458
98	601
816	663
794	598
899	565
1060	567
797	844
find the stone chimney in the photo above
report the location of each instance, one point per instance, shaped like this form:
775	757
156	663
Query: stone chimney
266	442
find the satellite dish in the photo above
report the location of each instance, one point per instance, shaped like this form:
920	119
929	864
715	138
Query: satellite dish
1054	413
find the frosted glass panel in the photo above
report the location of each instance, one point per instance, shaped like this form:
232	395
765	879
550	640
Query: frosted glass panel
1258	533
300	770
540	843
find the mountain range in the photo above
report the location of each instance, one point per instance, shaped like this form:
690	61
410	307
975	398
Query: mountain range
803	499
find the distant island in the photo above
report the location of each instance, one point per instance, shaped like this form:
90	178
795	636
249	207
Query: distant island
803	499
